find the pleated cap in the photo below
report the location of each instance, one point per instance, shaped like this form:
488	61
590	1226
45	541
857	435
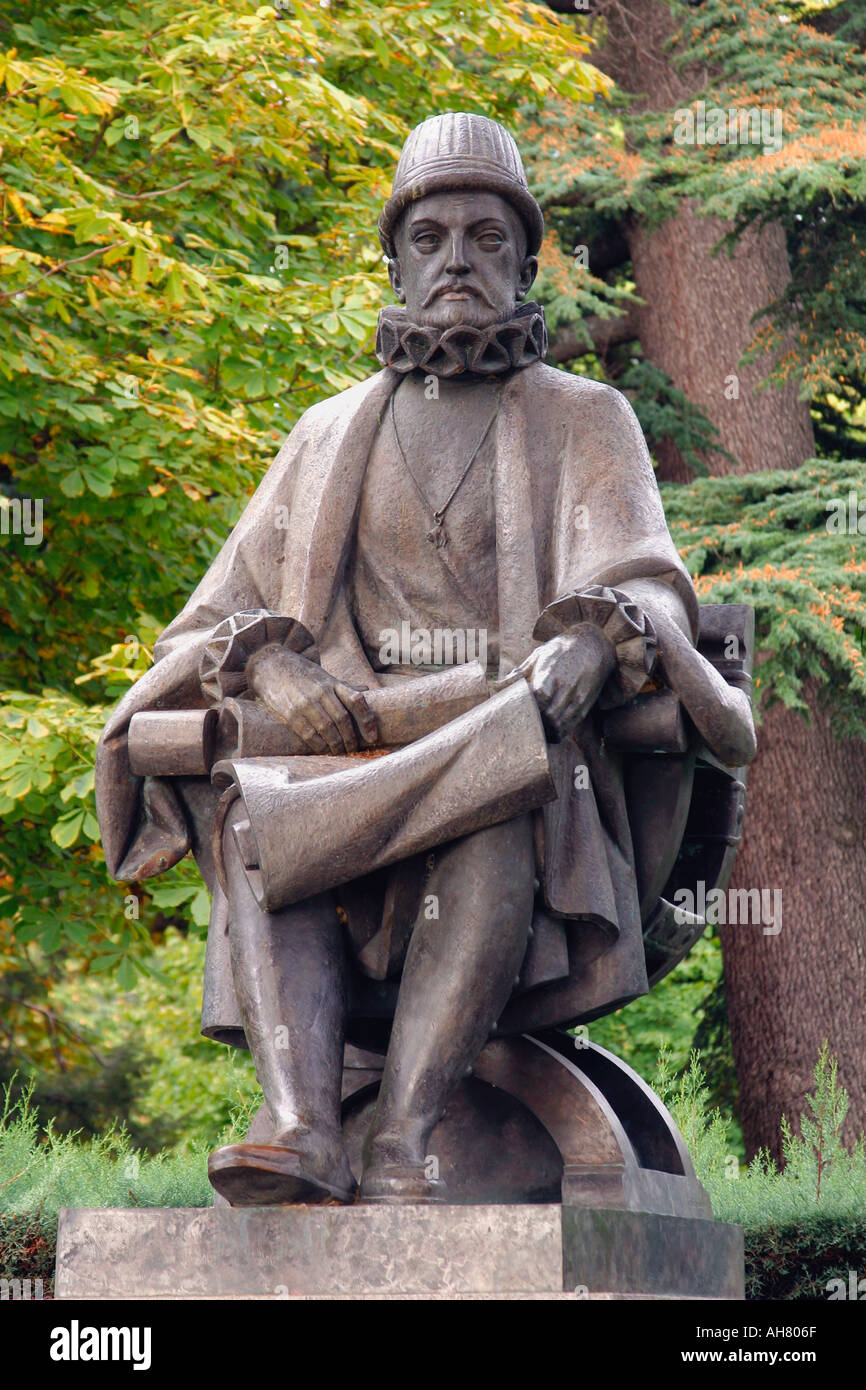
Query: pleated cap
460	150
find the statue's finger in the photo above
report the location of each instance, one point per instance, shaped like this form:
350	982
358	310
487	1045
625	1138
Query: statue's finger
324	725
342	721
564	706
356	703
308	734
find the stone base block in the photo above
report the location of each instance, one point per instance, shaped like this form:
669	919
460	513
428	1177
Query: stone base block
414	1251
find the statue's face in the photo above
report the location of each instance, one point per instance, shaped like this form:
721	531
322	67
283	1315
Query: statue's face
461	258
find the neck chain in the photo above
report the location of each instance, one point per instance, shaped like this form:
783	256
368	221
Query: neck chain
437	535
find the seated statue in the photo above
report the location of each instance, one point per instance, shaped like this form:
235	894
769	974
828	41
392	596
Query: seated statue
397	671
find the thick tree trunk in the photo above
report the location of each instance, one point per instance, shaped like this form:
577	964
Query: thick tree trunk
695	325
786	993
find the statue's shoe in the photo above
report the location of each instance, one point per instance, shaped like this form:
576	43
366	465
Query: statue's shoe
264	1175
395	1183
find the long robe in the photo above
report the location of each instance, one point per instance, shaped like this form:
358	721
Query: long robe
576	504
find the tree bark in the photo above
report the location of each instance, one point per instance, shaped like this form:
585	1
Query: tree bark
789	992
604	333
803	832
695	325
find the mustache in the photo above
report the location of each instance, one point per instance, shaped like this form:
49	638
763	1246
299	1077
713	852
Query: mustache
462	285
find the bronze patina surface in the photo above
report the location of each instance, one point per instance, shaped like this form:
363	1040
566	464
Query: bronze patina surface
460	565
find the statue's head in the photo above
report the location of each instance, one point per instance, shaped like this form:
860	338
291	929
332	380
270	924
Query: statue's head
461	227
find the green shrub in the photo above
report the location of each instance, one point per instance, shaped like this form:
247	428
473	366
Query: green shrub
801	1260
818	1176
804	1223
42	1171
142	1060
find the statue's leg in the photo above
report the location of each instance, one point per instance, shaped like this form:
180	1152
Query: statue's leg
459	972
289	974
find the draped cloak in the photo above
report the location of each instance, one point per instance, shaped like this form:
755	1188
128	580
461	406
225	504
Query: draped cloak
576	504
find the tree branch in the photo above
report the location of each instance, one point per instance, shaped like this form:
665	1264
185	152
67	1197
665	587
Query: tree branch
100	251
570	342
160	193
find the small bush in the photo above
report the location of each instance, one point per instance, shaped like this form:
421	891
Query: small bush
802	1260
27	1250
804	1223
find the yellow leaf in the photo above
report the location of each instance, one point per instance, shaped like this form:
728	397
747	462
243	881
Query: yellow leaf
157	489
114	254
18	205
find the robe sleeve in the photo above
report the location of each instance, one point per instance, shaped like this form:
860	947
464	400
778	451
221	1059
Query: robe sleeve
140	820
610	526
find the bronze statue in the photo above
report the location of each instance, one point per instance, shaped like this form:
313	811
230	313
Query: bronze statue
406	670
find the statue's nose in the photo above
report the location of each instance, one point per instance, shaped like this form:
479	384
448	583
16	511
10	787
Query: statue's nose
457	264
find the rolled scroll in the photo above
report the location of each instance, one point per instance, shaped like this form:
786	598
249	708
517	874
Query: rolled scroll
186	743
172	743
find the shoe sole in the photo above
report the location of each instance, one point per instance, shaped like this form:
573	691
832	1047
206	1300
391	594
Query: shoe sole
251	1175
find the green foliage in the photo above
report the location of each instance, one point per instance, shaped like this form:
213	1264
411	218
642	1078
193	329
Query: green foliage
768	539
818	1150
137	1055
28	1250
818	1178
809	1259
804	1223
42	1171
704	1130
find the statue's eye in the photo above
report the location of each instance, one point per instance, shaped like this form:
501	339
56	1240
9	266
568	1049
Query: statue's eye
491	240
426	241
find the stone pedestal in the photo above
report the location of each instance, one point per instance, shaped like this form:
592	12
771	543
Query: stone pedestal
517	1251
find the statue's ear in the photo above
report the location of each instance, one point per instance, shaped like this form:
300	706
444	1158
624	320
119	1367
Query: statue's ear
396	277
528	272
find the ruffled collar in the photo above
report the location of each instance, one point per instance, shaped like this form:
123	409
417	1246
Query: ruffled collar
502	347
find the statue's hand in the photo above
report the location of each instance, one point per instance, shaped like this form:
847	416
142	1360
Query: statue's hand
326	714
566	675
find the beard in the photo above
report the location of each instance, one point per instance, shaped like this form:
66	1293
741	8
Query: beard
473	310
